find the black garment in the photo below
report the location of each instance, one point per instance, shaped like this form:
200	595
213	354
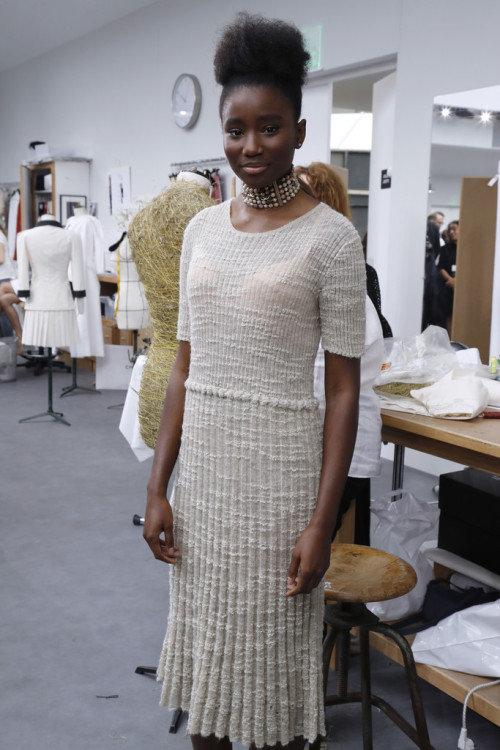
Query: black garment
359	490
447	260
373	291
432	312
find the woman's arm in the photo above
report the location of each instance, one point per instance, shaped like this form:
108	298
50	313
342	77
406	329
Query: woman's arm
311	555
2	252
158	517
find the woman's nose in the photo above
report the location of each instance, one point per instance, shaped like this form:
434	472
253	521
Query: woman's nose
252	144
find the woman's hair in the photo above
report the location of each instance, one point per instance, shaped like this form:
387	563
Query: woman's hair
257	51
326	185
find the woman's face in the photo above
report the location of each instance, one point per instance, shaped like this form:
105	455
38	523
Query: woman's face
453	232
260	134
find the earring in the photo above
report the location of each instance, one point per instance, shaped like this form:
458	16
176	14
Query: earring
299	145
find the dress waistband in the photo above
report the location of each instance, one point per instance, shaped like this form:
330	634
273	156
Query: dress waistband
299	404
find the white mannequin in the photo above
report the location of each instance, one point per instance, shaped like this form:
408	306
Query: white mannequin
89	229
47	250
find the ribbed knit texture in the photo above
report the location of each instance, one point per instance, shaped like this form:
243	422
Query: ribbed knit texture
243	659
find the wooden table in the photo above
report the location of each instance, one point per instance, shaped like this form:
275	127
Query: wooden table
474	443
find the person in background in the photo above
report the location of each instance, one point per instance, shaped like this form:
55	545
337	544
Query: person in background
446	263
8	291
437	218
328	187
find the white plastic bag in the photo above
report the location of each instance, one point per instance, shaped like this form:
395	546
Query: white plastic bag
467	641
400	524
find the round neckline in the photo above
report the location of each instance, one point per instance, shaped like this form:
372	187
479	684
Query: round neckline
268	231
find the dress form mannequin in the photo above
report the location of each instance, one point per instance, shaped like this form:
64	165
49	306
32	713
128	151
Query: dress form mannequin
50	317
155	235
132	308
91	342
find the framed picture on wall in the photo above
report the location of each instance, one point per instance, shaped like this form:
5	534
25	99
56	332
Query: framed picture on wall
68	205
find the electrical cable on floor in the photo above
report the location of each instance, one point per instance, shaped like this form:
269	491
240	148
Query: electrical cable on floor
464	742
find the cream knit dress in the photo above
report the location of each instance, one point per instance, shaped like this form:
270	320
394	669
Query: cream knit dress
243	659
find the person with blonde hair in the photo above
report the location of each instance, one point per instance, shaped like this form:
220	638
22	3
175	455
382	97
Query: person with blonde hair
327	185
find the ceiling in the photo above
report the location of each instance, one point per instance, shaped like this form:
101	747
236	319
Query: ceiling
29	28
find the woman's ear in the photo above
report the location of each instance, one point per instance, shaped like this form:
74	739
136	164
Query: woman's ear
301	133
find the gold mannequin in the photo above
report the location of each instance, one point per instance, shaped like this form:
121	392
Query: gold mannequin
155	235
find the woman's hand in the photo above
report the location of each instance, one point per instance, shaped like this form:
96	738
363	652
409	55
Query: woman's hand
159	520
309	563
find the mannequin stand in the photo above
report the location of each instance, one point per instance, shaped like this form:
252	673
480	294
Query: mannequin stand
58	416
74	386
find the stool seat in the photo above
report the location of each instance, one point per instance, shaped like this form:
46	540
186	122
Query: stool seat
364	574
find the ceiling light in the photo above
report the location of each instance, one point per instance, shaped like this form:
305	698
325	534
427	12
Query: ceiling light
485	117
445	112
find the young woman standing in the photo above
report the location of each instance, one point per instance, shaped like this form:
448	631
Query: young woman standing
258	482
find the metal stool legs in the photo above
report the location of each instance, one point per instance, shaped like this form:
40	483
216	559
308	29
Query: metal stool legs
341	618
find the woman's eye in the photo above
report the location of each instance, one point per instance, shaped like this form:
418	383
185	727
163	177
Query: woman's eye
235	132
271	129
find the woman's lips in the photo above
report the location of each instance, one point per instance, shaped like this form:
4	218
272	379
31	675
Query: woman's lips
254	168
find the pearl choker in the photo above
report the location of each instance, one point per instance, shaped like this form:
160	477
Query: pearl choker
272	196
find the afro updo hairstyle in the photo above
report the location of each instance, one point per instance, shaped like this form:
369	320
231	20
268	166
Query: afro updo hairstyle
258	51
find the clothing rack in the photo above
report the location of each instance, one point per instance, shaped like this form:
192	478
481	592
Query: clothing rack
197	163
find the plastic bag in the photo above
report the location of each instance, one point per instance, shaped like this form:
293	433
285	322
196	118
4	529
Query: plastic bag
400	524
467	641
416	361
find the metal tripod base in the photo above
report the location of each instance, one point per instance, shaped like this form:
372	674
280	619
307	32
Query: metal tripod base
74	385
57	415
177	715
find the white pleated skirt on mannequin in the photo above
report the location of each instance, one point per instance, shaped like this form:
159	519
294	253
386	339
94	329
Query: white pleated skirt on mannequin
50	328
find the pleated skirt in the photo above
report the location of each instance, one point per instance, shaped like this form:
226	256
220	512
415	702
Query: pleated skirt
242	658
50	328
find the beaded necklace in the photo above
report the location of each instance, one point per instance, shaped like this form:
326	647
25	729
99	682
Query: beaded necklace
272	196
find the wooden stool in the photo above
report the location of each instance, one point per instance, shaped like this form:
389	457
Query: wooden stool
357	575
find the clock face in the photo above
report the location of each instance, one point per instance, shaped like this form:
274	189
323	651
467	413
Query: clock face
186	100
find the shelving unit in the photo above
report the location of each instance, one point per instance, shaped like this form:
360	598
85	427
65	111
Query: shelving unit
45	183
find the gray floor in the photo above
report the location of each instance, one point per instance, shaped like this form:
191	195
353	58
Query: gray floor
83	602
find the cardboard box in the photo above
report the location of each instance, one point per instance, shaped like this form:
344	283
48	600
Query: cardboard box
469	523
109	328
82	363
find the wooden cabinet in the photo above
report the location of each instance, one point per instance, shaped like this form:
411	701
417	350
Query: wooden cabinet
53	187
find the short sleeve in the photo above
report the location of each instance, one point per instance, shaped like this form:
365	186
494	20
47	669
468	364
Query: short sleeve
183	324
342	296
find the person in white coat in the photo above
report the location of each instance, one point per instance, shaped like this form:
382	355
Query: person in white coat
90	232
47	250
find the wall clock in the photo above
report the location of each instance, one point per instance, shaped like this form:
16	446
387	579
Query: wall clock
186	100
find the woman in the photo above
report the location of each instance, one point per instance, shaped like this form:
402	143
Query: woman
248	533
446	263
8	294
328	187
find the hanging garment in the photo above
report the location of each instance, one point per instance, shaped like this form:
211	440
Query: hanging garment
132	309
50	315
12	222
89	230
